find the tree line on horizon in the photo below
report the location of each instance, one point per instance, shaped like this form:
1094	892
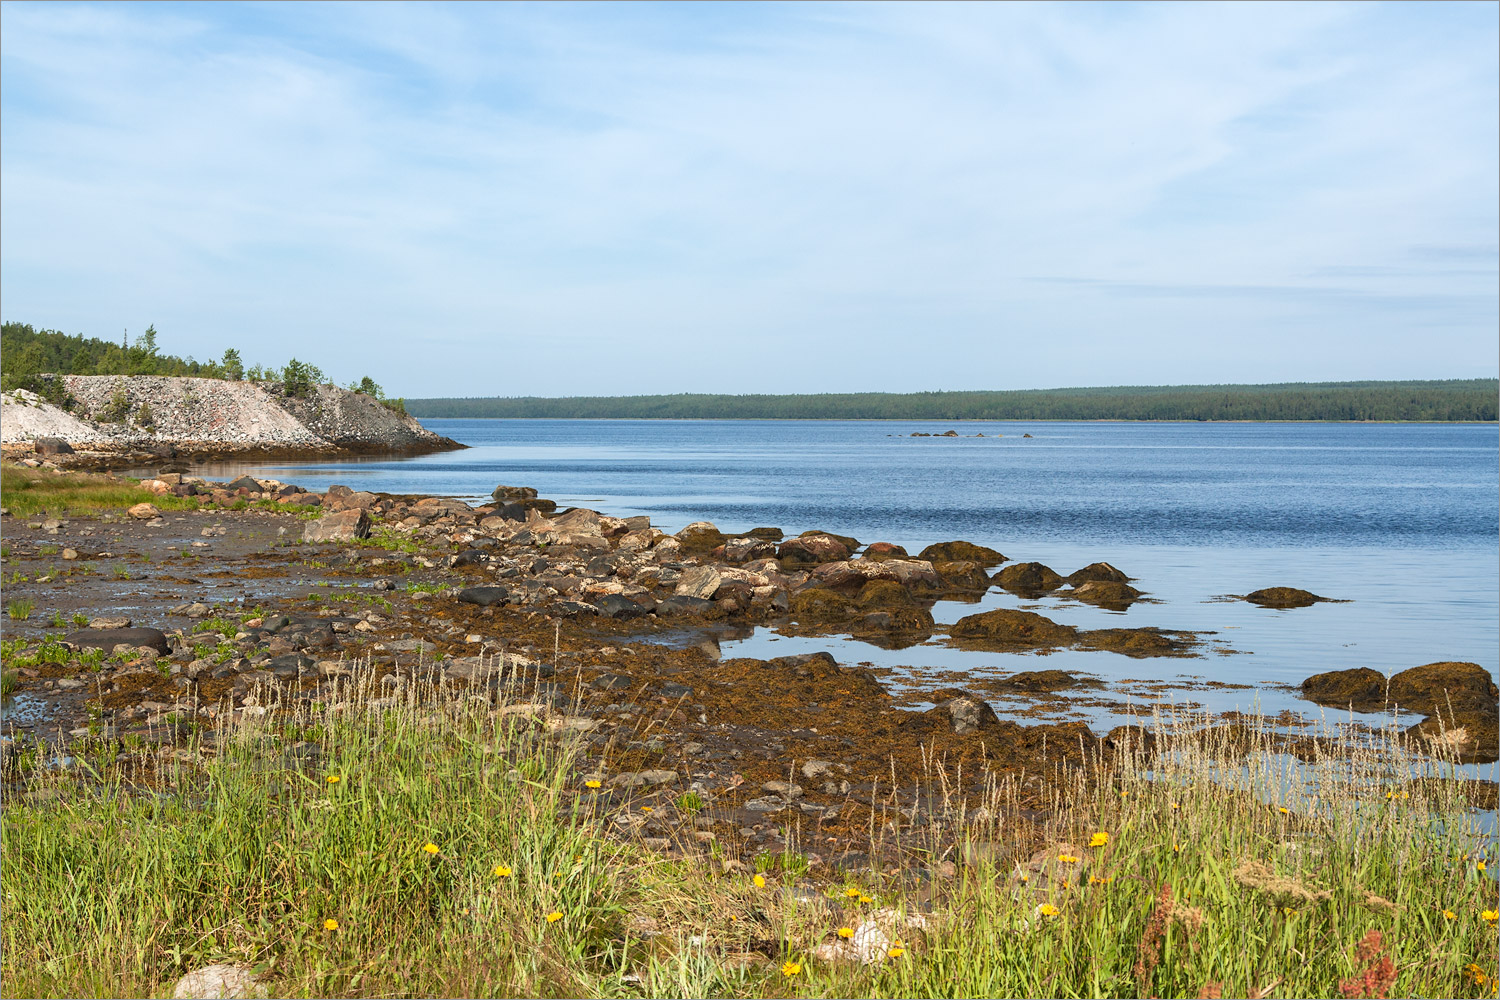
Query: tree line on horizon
1447	400
30	357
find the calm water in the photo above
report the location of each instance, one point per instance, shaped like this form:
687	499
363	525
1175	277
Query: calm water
1400	520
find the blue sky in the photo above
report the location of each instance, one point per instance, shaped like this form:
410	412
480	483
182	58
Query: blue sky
565	200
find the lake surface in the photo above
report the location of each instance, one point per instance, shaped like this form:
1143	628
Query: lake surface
1400	520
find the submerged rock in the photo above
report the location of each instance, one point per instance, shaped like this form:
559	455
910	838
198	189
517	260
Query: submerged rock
108	638
1360	689
1138	642
1460	699
1042	680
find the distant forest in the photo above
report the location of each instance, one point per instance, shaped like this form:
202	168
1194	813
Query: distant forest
1450	400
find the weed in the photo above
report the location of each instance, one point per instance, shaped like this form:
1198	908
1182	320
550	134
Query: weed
20	609
80	619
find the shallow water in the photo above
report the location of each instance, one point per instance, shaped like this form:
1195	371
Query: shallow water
1400	520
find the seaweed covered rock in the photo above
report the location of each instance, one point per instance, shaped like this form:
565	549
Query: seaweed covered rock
822	604
1283	597
1360	689
1042	680
748	549
1099	572
1109	594
962	575
1028	579
961	552
1434	687
884	594
699	538
1139	642
1006	629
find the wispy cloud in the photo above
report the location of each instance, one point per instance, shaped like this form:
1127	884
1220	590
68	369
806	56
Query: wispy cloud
547	199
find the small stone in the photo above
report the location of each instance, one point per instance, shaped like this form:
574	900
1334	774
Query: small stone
783	788
144	511
218	982
70	554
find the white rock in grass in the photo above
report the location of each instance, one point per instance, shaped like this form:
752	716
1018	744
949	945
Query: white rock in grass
218	982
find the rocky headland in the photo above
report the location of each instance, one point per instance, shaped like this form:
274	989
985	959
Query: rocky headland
113	421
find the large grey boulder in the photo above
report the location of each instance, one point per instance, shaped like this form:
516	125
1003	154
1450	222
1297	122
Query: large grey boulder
700	582
108	638
342	526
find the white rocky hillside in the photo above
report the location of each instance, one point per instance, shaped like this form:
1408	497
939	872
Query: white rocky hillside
124	413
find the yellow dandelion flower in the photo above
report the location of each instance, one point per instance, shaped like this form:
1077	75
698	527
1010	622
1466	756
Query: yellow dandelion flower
865	899
846	932
1480	866
1067	859
1099	839
760	881
852	892
1024	877
790	969
896	951
501	871
1283	810
1175	806
1047	910
1490	915
1176	848
1449	915
554	917
1106	880
430	847
330	924
332	779
1287	911
646	809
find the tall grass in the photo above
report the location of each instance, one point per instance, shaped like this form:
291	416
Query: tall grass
439	835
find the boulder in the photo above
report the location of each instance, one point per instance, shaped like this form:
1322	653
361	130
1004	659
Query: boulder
219	982
1006	629
341	526
1028	579
962	575
821	604
884	594
1433	687
484	596
513	493
742	550
619	606
1360	689
856	572
144	511
966	713
349	500
244	483
108	638
1099	572
813	549
961	552
52	446
1111	595
1042	680
699	581
699	537
677	606
575	521
885	550
1283	597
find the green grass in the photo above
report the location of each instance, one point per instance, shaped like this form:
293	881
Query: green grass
34	492
439	842
20	609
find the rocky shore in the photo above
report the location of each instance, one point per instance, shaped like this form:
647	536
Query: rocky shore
119	420
602	629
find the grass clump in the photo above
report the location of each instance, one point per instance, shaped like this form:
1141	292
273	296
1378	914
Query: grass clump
20	609
34	492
